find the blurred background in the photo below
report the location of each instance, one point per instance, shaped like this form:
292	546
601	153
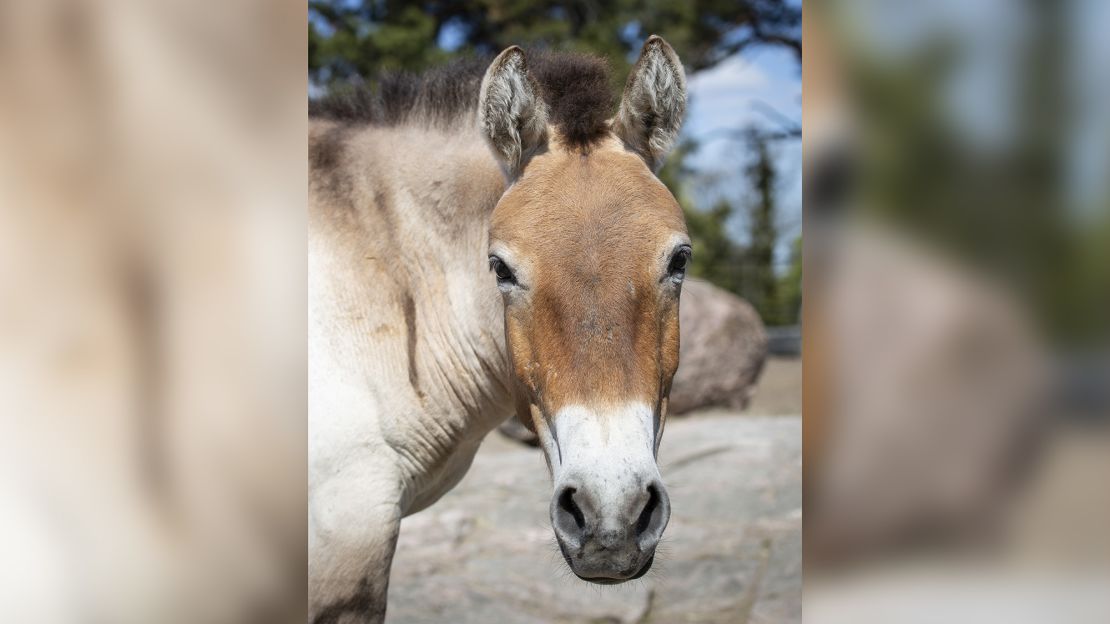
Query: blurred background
957	314
732	452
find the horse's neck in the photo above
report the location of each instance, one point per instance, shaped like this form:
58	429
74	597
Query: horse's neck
445	193
407	338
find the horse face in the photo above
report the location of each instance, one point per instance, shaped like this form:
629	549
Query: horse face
589	250
589	254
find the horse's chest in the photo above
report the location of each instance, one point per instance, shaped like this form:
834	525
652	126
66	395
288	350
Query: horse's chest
442	478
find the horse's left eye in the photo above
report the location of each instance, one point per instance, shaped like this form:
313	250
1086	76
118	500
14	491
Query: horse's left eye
679	260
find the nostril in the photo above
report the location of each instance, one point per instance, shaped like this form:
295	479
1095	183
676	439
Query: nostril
644	521
567	504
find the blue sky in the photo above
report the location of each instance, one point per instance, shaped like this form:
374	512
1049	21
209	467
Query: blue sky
760	87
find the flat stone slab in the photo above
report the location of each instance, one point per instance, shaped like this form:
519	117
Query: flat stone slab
732	552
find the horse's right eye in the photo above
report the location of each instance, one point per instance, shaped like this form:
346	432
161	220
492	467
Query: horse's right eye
501	270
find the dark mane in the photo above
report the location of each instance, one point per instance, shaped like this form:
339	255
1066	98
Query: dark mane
575	87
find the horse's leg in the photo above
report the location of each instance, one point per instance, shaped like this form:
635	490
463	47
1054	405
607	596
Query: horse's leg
354	519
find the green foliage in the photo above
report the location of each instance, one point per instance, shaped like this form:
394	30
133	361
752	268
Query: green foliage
348	39
747	271
760	285
717	257
789	299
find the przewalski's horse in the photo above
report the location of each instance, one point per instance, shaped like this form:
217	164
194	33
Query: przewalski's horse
417	351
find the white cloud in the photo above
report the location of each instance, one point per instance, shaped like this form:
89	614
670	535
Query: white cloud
726	79
730	96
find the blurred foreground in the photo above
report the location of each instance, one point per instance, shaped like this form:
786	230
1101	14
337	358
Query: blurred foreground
152	289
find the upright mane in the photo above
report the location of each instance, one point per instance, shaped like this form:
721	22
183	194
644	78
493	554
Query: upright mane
575	87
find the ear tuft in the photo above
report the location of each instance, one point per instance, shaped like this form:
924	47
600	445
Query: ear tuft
511	112
654	102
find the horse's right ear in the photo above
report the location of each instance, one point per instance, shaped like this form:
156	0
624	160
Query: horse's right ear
511	112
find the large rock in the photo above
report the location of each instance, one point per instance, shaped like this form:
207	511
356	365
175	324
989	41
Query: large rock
723	349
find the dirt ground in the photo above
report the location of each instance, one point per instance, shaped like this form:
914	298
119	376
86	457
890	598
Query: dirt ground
485	553
779	392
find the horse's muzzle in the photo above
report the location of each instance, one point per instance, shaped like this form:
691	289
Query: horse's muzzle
609	506
609	541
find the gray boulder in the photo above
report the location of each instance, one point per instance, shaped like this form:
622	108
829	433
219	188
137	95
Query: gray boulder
723	349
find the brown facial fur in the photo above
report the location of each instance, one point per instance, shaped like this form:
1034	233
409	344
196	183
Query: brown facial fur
596	319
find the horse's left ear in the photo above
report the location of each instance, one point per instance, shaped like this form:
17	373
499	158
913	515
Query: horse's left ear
654	102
